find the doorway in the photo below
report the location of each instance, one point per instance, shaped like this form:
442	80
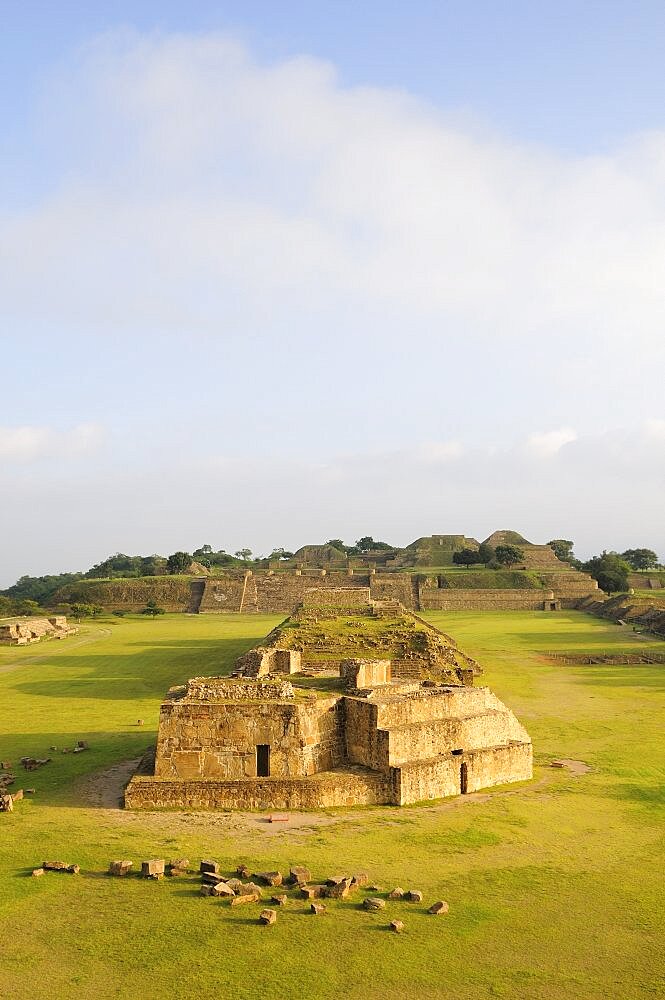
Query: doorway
263	760
463	778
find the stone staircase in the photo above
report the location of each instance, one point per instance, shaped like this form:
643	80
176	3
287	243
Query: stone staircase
196	590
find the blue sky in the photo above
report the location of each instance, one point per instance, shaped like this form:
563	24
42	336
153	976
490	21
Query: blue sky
271	273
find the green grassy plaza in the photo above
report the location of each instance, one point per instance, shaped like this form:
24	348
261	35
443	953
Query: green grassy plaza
555	886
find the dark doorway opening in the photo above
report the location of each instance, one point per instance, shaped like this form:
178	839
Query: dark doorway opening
463	778
263	760
456	753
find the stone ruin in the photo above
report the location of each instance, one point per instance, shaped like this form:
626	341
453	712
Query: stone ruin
363	734
27	630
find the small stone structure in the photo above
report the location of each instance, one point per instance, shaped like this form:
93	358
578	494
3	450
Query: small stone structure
26	630
262	741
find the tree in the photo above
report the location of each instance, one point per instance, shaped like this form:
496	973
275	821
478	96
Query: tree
243	554
508	555
640	558
465	557
280	554
81	611
152	609
179	562
367	544
562	548
337	543
610	570
485	553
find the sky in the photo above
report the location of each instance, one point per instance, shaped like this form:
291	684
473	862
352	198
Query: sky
274	273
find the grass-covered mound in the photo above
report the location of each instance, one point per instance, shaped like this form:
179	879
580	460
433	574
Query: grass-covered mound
553	887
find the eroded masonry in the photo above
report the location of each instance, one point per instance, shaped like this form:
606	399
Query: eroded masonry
347	702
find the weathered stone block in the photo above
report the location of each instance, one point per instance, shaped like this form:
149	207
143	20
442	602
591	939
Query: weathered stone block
397	926
439	908
413	896
209	866
317	908
249	897
313	891
396	893
267	917
373	904
269	878
153	868
222	889
299	875
120	868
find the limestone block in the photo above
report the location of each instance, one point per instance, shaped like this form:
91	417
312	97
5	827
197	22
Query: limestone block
374	903
313	891
397	926
36	872
222	889
249	897
211	867
317	908
397	893
439	908
280	899
360	878
299	875
413	896
267	917
120	868
269	878
153	869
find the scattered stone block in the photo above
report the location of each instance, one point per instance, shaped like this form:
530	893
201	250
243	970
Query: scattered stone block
60	866
6	803
317	908
413	896
178	866
242	871
53	748
210	879
6	765
153	869
335	879
249	897
206	890
267	917
82	745
360	878
235	884
299	875
120	868
279	900
29	791
313	891
223	890
397	926
269	878
279	818
249	888
36	872
341	890
397	893
373	904
439	908
209	867
139	722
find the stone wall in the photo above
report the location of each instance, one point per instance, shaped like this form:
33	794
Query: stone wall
482	600
329	790
343	598
207	739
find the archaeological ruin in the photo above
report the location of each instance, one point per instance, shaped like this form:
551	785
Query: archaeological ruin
24	631
349	701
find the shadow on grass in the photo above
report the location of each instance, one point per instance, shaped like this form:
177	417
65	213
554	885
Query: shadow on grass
128	676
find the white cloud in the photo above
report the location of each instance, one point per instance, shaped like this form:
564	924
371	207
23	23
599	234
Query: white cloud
29	444
544	445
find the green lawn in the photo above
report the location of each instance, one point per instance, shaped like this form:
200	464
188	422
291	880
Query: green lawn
555	886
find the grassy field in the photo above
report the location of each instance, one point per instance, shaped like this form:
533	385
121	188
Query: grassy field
555	886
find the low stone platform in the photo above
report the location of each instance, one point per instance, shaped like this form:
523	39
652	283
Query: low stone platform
344	786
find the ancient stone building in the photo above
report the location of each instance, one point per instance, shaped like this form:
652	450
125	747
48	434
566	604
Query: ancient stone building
26	630
302	725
